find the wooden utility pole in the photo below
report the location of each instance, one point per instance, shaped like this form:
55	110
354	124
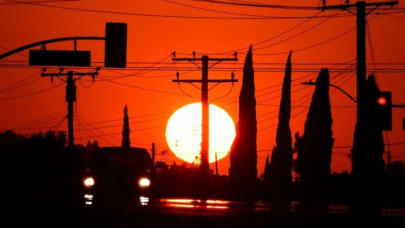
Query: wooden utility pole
70	95
153	155
361	202
216	164
361	46
204	167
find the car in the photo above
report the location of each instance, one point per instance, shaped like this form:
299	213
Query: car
117	176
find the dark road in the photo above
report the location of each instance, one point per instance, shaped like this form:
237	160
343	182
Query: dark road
196	213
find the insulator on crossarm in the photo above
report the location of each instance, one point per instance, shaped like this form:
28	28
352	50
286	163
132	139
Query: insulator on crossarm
174	54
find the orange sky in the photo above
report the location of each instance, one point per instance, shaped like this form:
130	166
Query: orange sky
151	39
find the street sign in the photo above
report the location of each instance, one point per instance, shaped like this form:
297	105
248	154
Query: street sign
59	58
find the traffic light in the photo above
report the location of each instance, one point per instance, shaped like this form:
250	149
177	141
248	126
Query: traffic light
384	110
115	45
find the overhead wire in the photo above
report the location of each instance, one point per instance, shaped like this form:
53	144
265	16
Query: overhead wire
294	108
259	5
92	135
59	123
299	34
28	94
39	120
166	15
212	10
10	3
271	38
17	85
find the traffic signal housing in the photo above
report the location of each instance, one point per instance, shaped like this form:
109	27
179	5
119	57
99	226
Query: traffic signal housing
115	45
383	110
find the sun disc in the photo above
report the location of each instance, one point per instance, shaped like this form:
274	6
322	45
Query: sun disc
183	133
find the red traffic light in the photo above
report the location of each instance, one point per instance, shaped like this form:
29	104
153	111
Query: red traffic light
382	101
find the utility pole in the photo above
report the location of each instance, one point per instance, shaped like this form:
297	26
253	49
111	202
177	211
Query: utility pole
204	167
70	95
361	46
361	201
216	164
153	155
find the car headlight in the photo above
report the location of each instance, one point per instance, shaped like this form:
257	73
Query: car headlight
88	182
144	182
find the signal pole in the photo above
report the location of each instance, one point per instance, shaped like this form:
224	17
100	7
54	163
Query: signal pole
204	167
361	46
70	95
361	202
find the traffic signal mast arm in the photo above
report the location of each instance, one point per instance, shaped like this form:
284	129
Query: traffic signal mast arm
44	42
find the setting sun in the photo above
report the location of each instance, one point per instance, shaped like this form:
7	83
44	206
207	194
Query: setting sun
183	132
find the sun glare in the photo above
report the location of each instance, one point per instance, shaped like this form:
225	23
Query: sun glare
183	133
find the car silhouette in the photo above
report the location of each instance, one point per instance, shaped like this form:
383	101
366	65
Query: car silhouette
117	176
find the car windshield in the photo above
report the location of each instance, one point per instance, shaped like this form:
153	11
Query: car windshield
120	159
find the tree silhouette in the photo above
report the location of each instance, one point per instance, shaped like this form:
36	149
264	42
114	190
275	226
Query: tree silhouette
281	158
243	158
367	158
126	142
266	174
315	148
95	145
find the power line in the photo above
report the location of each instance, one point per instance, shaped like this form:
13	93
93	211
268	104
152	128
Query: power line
146	89
14	85
142	129
29	94
215	11
168	16
312	46
86	130
57	126
19	53
257	69
259	5
300	104
299	34
272	38
39	120
116	70
135	117
7	2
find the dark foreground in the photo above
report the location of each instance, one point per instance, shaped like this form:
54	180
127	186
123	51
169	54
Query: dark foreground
191	213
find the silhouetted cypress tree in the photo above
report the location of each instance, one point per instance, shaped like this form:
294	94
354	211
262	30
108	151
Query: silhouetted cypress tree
95	145
315	148
243	158
367	158
266	174
281	158
88	146
125	130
